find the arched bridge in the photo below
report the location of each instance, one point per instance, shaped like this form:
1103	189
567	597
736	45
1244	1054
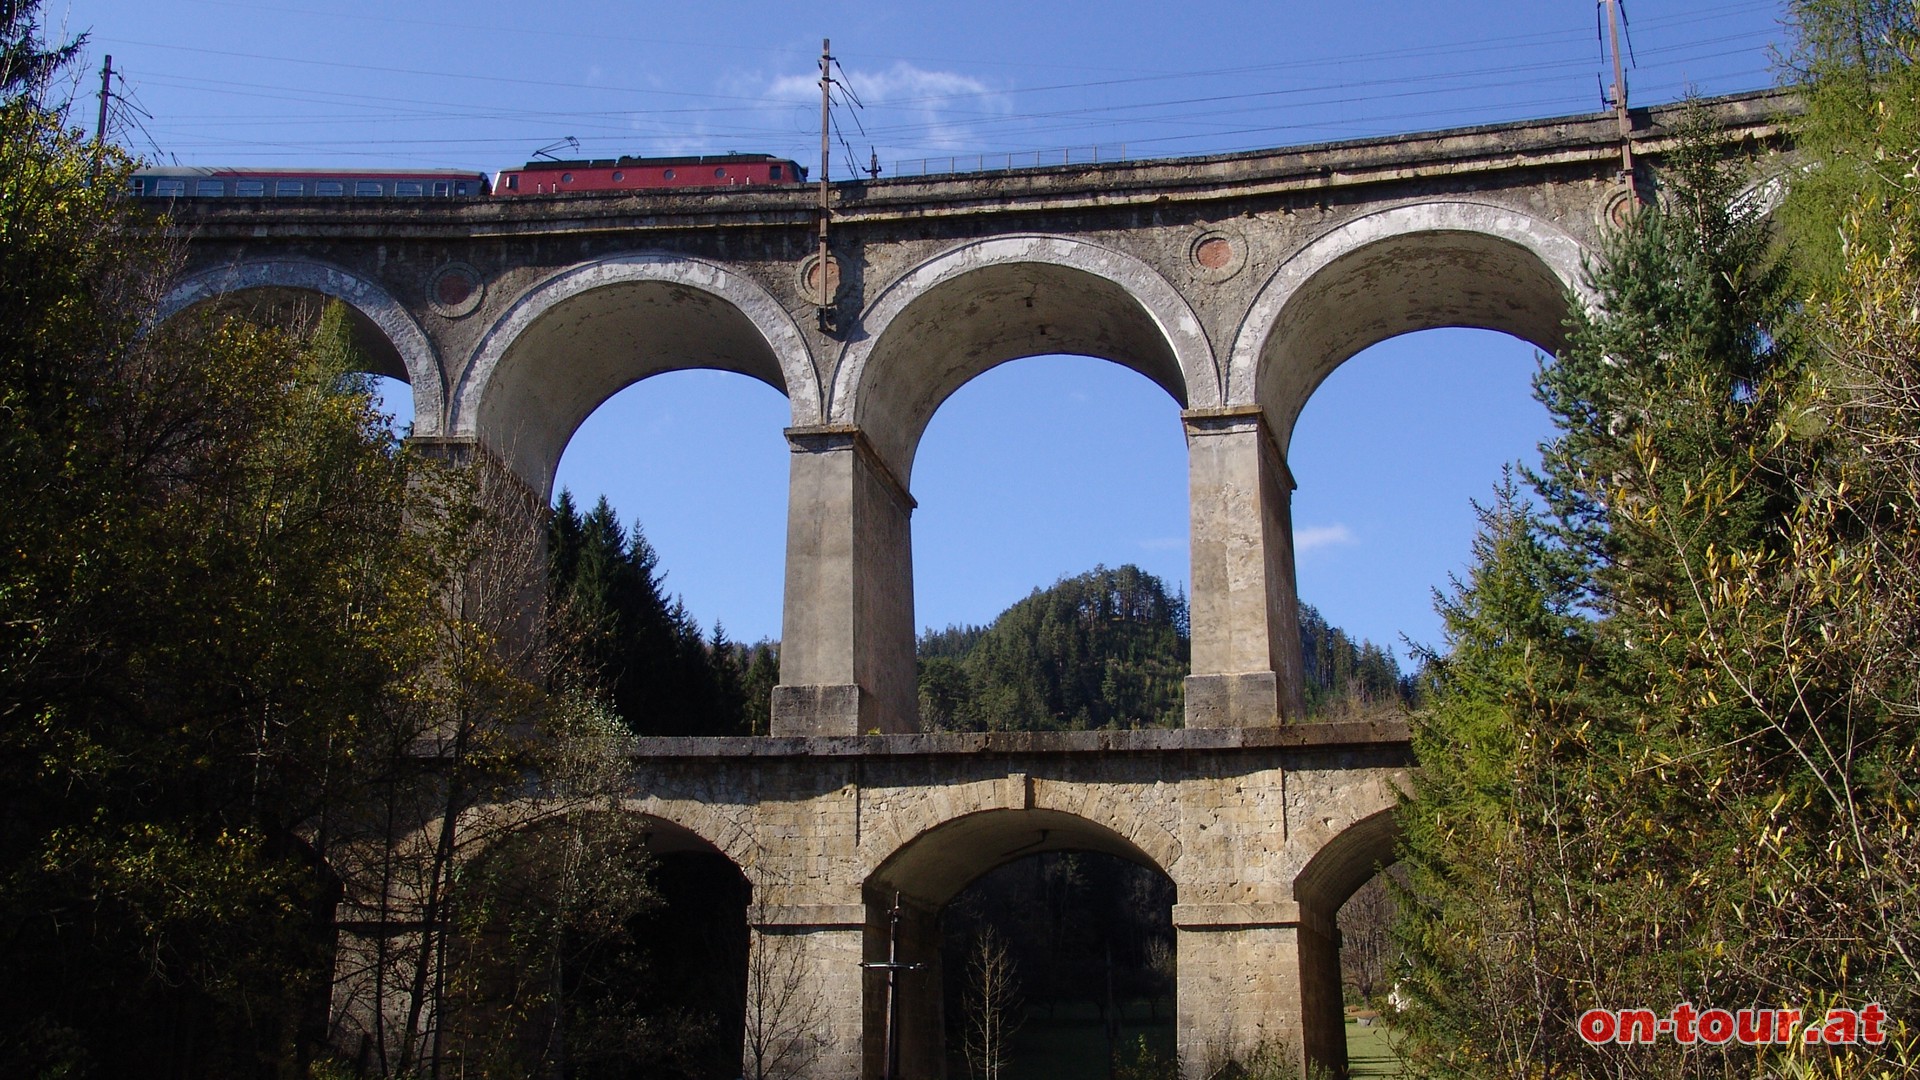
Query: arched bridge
1236	283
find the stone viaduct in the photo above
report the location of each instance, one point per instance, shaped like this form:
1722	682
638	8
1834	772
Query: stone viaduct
1236	283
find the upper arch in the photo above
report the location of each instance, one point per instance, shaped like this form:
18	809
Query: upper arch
606	324
1417	266
396	345
1024	295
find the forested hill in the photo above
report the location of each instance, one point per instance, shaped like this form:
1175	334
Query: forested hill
1105	649
1109	649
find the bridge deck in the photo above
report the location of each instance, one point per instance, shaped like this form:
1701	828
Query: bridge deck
1343	735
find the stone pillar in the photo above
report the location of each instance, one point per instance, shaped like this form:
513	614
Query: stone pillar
922	1023
1257	973
803	1006
846	638
1245	615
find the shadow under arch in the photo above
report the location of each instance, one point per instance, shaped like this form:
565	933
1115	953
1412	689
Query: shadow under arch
589	331
1421	266
1322	887
375	958
926	872
383	331
979	305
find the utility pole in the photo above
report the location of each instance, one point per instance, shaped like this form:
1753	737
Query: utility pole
106	92
1620	101
893	967
825	310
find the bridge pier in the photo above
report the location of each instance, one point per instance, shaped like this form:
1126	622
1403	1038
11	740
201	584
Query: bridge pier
846	641
803	993
1253	974
1245	618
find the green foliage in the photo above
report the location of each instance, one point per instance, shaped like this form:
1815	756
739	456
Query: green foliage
1853	60
1141	1061
27	62
608	609
1270	1060
195	621
1106	649
1669	755
1109	649
1343	675
548	969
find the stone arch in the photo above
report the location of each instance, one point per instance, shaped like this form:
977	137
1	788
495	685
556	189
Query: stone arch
680	826
1323	886
1348	861
690	826
1119	827
933	865
582	335
1418	266
984	303
384	331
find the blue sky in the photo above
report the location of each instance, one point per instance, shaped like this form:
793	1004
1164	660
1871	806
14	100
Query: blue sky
1042	467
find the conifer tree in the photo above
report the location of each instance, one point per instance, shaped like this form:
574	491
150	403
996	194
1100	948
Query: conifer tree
1629	766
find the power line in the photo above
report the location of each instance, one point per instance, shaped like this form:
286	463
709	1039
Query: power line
977	112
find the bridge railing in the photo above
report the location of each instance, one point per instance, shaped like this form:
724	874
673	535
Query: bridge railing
1017	159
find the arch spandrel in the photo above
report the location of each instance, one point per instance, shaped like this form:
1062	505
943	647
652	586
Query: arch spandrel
393	341
1417	266
582	335
987	302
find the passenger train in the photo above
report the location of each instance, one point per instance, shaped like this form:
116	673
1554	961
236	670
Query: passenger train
704	172
224	183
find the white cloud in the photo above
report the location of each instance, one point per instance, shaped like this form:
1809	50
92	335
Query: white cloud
910	112
1322	536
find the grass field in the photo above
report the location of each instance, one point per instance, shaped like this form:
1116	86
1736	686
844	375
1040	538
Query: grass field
1369	1051
1072	1046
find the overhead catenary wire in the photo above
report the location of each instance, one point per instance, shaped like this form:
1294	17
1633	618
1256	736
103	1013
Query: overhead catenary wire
978	112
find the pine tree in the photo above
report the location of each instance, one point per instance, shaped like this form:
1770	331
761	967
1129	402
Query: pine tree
1623	769
609	608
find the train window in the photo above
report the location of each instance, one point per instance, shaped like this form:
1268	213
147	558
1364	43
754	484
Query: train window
245	188
329	187
136	186
368	187
618	176
773	172
290	187
169	187
513	182
668	174
719	172
409	187
442	188
209	187
566	178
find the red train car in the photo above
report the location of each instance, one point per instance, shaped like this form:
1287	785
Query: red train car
649	174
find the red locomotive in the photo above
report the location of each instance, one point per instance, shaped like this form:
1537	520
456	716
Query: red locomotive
648	174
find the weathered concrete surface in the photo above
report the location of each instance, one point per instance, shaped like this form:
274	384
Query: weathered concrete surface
829	831
1235	282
